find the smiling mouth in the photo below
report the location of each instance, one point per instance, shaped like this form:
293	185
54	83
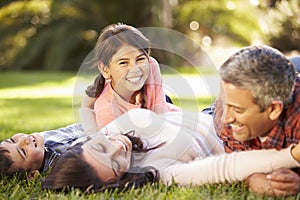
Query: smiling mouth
134	79
236	127
33	140
124	146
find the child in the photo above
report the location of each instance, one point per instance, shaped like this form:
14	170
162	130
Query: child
37	152
129	78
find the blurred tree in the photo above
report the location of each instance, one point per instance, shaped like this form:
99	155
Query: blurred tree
270	3
58	34
234	20
282	28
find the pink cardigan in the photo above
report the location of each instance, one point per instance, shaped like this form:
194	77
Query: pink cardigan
109	105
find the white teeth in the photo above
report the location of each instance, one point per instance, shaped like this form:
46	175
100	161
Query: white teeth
33	140
121	143
236	125
135	79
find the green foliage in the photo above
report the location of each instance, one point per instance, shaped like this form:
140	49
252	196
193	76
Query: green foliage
235	20
58	35
283	25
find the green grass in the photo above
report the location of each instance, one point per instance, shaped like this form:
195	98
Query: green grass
29	103
34	101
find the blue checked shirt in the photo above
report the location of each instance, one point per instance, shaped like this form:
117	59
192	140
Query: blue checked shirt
57	141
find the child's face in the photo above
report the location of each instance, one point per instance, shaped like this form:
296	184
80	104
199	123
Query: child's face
128	69
26	151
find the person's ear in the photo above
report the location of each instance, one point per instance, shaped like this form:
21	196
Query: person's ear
276	108
33	174
104	70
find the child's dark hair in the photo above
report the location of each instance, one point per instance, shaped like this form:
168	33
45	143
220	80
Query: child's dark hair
109	42
5	165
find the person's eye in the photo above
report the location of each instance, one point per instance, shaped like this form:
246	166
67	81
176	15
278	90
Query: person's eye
23	152
99	147
238	111
123	63
115	167
142	59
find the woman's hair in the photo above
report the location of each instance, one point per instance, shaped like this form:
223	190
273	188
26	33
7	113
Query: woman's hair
72	171
263	70
111	39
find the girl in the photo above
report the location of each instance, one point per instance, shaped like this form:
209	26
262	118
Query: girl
129	78
128	154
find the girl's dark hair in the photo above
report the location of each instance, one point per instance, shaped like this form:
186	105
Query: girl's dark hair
109	42
72	171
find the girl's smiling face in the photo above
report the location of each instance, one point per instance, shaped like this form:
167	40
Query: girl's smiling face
129	69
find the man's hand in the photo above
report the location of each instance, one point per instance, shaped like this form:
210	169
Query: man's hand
284	182
295	151
259	184
281	182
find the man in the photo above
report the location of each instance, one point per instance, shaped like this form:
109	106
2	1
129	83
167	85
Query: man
259	108
296	61
29	154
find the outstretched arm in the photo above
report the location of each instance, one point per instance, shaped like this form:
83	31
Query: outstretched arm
231	167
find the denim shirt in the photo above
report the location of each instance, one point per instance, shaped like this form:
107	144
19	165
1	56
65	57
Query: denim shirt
58	141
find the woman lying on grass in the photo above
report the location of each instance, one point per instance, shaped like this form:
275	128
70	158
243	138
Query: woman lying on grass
142	147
